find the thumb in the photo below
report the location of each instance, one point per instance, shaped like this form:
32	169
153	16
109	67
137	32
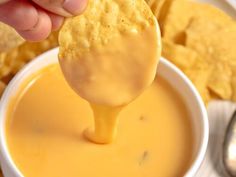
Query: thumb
31	23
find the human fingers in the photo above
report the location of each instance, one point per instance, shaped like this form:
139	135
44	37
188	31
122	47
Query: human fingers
41	30
20	14
56	21
64	8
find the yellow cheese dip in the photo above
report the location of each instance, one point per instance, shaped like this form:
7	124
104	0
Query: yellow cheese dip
46	121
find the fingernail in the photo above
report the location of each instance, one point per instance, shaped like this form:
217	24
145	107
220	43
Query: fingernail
75	7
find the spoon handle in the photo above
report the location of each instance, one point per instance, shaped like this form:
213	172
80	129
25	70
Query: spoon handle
229	147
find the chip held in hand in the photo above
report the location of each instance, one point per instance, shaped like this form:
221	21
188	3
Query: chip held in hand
114	47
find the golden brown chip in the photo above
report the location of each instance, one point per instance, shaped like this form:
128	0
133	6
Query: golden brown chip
233	82
176	20
2	88
156	6
234	88
181	12
218	47
220	81
16	58
213	96
200	74
4	68
9	38
202	25
179	55
215	46
96	47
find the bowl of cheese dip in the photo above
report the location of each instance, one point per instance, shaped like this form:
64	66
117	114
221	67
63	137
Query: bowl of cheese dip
164	132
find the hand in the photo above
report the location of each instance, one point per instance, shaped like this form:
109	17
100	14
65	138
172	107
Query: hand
35	19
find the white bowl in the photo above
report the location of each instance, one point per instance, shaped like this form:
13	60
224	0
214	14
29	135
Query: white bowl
166	70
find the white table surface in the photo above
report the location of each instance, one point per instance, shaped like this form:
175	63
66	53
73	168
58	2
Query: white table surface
219	115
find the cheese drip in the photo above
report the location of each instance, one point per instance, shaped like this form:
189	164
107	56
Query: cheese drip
105	124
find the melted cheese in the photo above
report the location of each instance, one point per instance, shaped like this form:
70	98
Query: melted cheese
46	120
109	56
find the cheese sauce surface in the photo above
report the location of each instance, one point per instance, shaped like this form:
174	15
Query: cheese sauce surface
46	121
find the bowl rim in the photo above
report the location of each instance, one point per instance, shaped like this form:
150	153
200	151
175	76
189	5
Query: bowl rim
19	77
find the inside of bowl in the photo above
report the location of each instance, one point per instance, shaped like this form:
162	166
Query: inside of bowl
165	70
192	100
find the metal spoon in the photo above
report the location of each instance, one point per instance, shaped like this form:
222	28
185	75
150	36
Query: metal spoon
229	147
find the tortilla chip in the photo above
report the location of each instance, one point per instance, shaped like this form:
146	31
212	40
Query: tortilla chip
233	83
220	81
214	44
2	88
200	21
172	21
213	96
234	88
179	55
9	38
156	6
202	25
4	68
218	47
180	14
16	58
200	74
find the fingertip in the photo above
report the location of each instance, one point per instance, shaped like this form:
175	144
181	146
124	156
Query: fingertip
40	31
66	8
56	20
19	14
75	7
